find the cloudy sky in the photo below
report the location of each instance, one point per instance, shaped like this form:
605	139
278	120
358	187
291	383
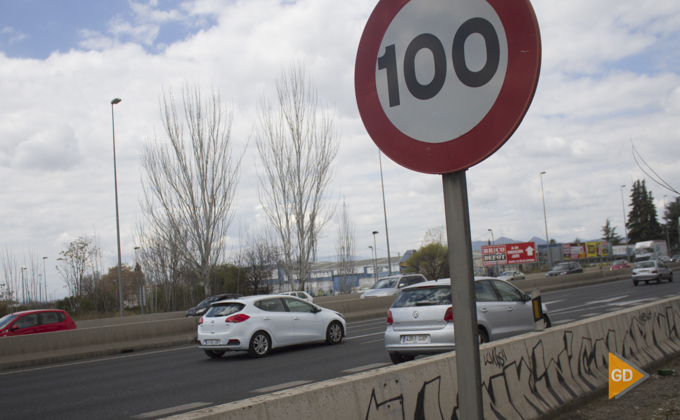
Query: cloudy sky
610	74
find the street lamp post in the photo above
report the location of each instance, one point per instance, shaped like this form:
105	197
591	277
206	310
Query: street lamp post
545	220
142	289
668	238
375	232
115	183
625	227
375	273
387	235
493	241
45	278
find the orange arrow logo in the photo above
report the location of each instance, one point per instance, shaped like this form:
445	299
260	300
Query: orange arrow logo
623	376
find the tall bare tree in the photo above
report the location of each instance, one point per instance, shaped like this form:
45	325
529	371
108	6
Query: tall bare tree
191	179
345	248
260	258
74	264
297	142
163	267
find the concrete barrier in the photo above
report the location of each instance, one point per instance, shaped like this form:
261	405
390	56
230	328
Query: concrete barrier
532	376
133	319
60	346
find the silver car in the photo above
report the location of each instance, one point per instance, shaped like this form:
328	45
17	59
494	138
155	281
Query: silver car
420	320
651	270
391	286
512	275
257	324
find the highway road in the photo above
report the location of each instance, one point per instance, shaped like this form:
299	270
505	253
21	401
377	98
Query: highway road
154	384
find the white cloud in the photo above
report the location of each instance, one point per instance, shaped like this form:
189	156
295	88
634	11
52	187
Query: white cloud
56	140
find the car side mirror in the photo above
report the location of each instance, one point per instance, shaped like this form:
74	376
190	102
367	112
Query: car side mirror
14	328
401	285
527	297
316	310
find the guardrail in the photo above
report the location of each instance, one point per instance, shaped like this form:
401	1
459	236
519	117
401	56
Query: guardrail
532	376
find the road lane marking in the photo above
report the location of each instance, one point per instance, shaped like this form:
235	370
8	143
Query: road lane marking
367	321
589	315
365	368
365	335
279	387
608	300
166	411
374	341
564	321
554	301
97	360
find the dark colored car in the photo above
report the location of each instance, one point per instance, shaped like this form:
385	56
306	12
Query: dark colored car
563	268
202	307
35	321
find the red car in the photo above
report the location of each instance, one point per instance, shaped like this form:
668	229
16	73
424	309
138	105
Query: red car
618	264
35	321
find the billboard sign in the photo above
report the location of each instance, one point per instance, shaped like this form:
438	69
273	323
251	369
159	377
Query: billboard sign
519	253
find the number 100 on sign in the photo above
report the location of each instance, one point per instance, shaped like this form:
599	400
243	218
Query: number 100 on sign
434	57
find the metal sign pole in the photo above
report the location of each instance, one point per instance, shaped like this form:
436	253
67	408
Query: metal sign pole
469	373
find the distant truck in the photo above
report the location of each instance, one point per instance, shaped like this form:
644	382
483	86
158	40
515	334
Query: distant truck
647	249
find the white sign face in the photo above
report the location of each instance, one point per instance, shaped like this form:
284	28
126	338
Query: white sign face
440	68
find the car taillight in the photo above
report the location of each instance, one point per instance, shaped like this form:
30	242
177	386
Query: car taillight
448	316
390	320
237	318
655	272
200	320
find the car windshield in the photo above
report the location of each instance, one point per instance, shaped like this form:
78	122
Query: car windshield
645	264
224	309
506	274
386	283
205	302
5	320
561	266
426	296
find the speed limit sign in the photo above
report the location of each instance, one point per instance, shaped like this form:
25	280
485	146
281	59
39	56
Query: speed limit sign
442	84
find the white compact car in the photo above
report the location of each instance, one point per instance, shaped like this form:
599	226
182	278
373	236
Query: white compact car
420	320
257	324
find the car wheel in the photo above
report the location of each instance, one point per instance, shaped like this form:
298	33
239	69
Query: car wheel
546	321
658	279
400	358
334	333
260	344
671	277
635	282
483	336
214	354
646	281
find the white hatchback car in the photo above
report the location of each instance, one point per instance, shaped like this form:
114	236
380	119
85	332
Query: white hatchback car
420	320
257	324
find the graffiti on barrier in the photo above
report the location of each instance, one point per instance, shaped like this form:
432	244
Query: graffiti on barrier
525	389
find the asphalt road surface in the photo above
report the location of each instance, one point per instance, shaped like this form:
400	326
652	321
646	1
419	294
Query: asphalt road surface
154	384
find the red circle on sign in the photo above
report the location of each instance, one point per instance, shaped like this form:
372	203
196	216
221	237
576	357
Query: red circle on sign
517	91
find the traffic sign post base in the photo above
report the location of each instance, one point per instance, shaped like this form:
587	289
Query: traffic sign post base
468	368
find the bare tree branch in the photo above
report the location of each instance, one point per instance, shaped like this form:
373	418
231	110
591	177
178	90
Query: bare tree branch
191	180
297	143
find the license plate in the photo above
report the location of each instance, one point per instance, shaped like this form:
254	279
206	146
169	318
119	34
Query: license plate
415	339
211	342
